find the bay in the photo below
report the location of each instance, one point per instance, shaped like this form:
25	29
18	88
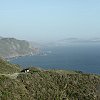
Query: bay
80	57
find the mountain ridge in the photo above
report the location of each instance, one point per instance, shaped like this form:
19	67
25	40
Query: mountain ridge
11	47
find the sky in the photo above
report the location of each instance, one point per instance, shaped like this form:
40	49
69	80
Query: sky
49	20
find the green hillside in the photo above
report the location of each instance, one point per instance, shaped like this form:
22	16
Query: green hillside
7	68
40	84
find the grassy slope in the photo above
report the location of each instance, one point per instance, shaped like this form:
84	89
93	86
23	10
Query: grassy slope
57	86
41	84
7	68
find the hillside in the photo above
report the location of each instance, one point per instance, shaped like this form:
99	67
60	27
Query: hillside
7	68
11	47
40	84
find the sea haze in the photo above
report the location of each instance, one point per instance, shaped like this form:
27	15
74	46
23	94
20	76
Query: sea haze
83	57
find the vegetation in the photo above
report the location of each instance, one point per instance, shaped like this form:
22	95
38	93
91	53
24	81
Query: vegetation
7	68
41	84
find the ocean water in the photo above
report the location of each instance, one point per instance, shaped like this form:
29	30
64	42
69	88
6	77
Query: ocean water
82	57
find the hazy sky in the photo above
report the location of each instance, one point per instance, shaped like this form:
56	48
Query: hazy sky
44	20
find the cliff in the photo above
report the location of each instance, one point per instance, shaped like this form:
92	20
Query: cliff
11	47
